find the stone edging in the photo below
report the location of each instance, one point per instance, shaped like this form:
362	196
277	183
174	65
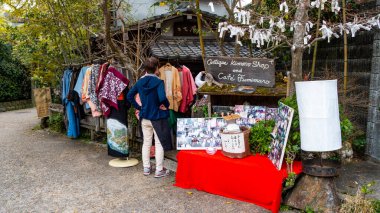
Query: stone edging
15	105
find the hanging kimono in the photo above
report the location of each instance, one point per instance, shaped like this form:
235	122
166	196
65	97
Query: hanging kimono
170	76
73	126
112	90
117	131
85	85
187	89
93	98
79	84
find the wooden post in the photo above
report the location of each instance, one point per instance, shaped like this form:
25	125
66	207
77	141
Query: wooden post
316	43
199	22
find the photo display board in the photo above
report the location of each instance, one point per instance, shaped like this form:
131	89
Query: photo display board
199	133
242	71
280	134
250	115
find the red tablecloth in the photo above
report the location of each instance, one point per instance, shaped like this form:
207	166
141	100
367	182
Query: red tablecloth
252	179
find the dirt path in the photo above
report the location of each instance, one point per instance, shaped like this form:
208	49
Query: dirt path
46	172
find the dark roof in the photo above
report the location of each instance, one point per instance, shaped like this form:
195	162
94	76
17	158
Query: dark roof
182	9
189	49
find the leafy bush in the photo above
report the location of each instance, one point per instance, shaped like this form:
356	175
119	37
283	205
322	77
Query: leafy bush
132	117
346	127
56	122
14	78
260	139
359	145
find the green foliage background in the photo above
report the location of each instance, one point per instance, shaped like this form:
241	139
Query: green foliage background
259	139
46	34
14	77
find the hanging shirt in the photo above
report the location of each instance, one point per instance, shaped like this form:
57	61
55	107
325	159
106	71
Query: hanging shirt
79	83
187	90
173	90
193	86
85	85
66	85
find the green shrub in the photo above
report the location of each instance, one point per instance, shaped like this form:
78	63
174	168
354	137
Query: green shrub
346	127
14	78
359	145
56	122
376	205
260	139
132	117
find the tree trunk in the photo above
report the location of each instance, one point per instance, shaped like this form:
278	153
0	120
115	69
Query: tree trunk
108	38
300	18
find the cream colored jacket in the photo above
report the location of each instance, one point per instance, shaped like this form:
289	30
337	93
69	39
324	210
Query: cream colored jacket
173	89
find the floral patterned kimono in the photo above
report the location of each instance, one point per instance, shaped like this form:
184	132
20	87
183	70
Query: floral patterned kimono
112	90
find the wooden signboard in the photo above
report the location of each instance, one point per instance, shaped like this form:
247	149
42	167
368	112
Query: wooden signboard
42	97
242	71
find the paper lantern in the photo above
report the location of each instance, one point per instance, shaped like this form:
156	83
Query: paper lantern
319	115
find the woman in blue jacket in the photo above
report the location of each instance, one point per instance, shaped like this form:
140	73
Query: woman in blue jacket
154	116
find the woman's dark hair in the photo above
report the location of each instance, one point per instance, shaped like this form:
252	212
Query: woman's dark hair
150	65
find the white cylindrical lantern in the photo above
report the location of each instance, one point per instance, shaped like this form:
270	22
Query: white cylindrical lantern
319	115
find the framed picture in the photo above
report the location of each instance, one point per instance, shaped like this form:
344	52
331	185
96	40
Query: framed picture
199	133
250	115
280	134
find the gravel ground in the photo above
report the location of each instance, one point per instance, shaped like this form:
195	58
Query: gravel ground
47	172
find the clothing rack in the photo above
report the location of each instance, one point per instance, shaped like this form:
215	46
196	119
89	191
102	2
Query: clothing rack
112	56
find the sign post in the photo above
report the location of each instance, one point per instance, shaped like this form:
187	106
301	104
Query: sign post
242	71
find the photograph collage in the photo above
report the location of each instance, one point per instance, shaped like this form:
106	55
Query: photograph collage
280	134
199	133
250	115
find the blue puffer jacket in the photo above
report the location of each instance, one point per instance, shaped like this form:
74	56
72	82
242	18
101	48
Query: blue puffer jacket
152	94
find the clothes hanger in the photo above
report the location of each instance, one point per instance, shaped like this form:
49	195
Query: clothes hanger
177	64
167	63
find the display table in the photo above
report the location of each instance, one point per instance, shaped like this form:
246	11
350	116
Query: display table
252	179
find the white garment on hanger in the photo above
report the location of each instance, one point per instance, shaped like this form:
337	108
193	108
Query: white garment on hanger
180	78
169	84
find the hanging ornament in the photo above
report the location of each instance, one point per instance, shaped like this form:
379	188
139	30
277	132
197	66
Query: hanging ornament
315	4
284	7
211	4
308	26
306	39
243	17
271	23
261	22
248	17
281	25
374	21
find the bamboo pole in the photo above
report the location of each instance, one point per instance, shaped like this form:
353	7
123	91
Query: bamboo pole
345	53
316	43
200	32
138	50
